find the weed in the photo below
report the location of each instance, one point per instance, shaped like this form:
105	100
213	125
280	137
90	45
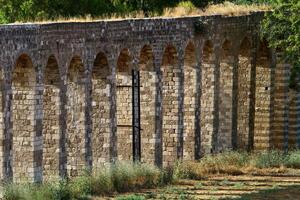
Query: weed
269	159
131	197
293	159
238	185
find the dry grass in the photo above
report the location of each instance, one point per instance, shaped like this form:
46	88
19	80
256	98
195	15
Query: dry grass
226	9
239	163
182	10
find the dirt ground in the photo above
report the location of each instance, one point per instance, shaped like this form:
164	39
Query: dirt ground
266	187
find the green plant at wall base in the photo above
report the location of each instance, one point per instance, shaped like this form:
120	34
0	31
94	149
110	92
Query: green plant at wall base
293	159
269	159
282	30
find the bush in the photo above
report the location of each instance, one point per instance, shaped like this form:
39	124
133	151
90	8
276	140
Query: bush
119	177
101	182
293	159
269	159
80	187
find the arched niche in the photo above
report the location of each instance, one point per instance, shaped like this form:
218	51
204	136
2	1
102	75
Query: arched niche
23	119
51	125
243	94
225	95
207	98
124	105
264	90
190	94
76	117
171	79
148	78
101	110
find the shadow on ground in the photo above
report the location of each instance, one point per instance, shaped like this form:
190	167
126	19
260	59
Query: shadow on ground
282	193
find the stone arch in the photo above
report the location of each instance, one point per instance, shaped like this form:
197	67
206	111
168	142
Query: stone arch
243	94
124	105
101	110
207	98
51	124
23	119
171	78
148	78
190	94
226	96
263	100
76	117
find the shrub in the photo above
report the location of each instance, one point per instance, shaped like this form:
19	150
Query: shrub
80	187
269	159
293	159
101	182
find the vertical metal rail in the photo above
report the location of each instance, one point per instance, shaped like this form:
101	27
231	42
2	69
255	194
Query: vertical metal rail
136	114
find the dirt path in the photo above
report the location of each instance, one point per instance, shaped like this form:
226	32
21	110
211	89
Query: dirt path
229	187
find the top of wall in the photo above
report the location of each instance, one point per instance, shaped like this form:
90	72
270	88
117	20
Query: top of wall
252	14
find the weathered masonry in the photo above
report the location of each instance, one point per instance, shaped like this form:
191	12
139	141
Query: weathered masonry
79	95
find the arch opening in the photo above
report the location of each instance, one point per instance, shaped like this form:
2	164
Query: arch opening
51	125
226	97
243	92
124	105
148	78
100	110
76	117
190	101
171	78
262	123
23	119
207	98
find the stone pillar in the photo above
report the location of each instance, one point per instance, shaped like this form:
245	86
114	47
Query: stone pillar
7	125
216	114
281	110
88	136
298	117
38	137
252	95
180	134
198	102
63	158
113	138
158	111
2	136
235	83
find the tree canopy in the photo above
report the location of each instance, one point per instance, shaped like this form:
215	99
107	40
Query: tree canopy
282	30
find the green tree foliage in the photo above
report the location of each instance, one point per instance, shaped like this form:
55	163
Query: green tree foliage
30	10
282	30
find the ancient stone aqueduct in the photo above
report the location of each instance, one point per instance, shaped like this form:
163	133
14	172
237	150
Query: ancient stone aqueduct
79	95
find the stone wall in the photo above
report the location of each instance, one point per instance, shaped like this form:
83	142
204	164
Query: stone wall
67	93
